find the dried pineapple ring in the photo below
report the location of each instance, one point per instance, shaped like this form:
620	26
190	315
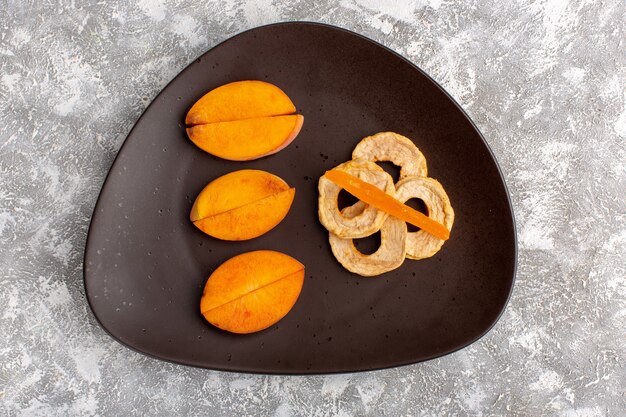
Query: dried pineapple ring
390	146
390	255
420	245
366	222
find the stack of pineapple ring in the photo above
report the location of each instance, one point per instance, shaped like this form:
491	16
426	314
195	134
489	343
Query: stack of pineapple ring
361	220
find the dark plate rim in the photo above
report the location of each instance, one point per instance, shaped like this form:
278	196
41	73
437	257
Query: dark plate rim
248	371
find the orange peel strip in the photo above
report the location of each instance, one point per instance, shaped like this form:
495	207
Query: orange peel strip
371	195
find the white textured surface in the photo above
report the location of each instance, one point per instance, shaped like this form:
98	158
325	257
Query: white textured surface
545	81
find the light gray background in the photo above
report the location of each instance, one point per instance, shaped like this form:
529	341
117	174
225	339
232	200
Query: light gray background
543	80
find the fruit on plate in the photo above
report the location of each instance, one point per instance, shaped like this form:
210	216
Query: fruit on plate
252	291
381	206
240	100
420	244
389	256
366	221
390	146
242	205
241	140
243	120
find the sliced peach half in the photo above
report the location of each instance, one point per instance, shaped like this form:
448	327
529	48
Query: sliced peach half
240	100
252	291
242	205
242	140
243	120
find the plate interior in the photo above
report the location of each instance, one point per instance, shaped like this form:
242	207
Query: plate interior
146	264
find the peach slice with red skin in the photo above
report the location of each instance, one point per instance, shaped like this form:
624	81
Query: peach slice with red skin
243	140
242	205
252	291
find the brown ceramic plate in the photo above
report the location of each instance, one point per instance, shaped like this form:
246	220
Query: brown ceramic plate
146	264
